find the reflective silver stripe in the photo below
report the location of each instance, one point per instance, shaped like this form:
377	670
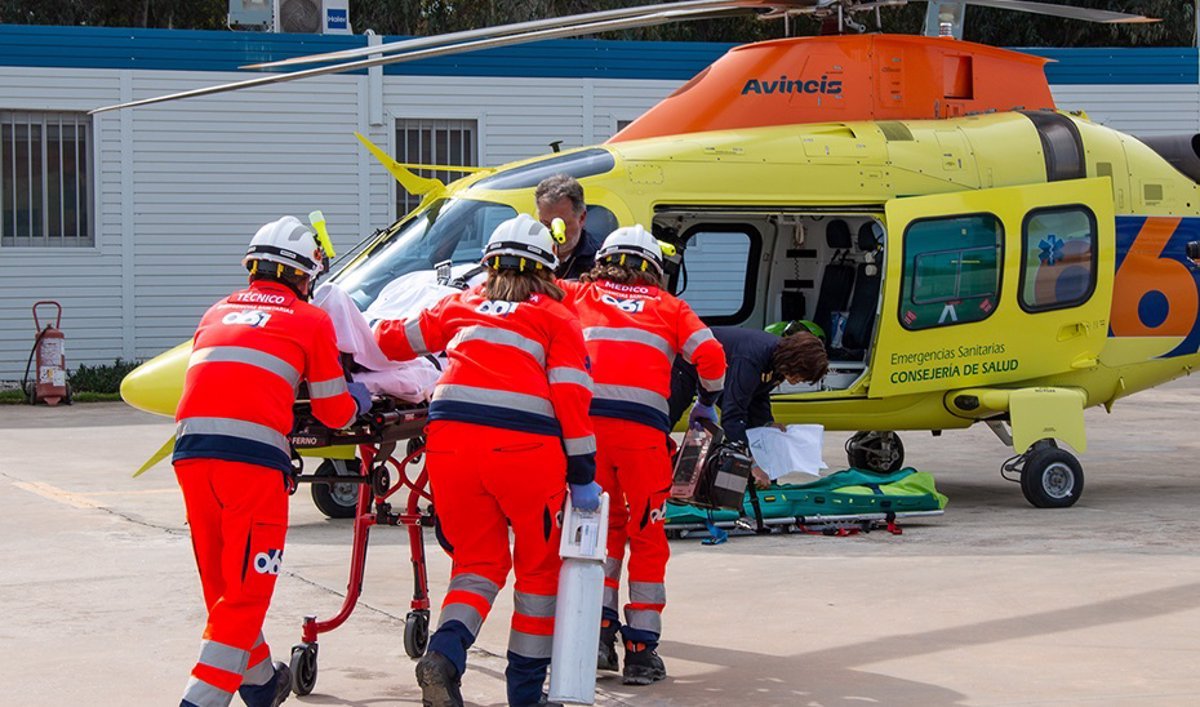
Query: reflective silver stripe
259	641
498	398
566	374
475	584
631	394
416	339
713	385
250	357
575	446
529	645
202	694
612	568
224	657
259	674
232	428
643	619
639	336
611	601
504	337
647	593
693	342
466	614
326	389
536	605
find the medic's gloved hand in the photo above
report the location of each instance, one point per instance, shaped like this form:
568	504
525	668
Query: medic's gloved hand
585	497
361	396
700	411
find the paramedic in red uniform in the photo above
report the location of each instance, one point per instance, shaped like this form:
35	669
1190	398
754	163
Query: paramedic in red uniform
508	433
232	455
634	330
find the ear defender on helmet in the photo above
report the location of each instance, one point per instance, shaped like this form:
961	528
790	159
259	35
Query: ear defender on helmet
520	243
635	247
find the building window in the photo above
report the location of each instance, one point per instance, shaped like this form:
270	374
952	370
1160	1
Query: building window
951	270
424	141
1058	258
45	179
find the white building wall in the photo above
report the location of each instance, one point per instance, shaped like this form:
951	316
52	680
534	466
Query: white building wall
180	187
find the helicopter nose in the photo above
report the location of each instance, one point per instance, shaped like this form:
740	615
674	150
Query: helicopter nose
156	385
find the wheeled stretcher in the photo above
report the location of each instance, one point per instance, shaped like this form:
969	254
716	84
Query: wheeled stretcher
390	424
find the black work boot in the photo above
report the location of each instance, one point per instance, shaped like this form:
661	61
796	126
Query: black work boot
270	694
439	681
642	667
607	659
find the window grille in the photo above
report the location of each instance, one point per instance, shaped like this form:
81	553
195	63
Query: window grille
45	179
425	141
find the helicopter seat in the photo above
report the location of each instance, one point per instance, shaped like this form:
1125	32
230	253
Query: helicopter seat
860	323
837	280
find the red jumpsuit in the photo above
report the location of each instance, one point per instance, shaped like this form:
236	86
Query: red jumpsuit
250	352
633	334
508	429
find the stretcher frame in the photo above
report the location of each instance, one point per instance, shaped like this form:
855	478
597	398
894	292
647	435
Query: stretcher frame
377	436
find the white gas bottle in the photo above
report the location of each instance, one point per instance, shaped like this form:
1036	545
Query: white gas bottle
580	598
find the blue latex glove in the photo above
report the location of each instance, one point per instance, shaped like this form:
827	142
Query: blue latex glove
361	396
700	411
585	497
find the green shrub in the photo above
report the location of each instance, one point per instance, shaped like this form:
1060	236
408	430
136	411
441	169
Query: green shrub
101	379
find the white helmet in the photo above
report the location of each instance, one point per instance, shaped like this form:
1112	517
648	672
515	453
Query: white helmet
633	241
520	242
287	242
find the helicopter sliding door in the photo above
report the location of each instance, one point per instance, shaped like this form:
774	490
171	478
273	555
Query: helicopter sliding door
994	286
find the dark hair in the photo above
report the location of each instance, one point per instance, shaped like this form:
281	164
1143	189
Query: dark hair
516	286
551	190
621	274
800	354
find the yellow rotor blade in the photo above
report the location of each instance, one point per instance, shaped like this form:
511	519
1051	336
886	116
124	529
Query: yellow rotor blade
162	453
410	181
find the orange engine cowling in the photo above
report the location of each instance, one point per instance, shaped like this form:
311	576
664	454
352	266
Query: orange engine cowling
50	385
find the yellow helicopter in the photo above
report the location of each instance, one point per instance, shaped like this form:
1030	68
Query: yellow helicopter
973	253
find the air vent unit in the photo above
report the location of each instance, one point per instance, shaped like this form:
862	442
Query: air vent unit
298	16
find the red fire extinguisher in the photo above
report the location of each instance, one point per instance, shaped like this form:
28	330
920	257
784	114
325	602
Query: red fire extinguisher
49	348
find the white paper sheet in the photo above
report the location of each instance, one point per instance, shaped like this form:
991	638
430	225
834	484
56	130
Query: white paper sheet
778	452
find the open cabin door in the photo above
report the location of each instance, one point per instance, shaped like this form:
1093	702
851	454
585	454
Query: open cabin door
994	286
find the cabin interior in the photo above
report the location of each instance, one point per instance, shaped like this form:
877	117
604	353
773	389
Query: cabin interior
769	265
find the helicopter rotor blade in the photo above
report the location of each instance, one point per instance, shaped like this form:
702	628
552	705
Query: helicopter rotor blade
650	20
1064	11
518	28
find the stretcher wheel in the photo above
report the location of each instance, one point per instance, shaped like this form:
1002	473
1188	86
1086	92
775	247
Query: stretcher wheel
336	500
304	668
416	633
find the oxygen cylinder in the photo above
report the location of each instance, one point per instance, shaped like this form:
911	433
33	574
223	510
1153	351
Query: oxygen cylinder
580	598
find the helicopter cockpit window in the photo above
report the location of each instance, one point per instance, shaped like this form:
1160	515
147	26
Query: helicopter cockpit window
951	270
585	163
449	229
600	221
1058	257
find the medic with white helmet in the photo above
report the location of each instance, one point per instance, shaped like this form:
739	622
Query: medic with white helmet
232	457
634	330
508	434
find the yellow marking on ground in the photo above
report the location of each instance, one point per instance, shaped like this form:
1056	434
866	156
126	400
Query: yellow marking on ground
138	492
57	495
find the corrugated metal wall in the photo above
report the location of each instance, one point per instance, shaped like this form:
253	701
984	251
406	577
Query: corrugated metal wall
179	188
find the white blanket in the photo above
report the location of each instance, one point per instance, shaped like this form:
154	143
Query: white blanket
778	452
412	381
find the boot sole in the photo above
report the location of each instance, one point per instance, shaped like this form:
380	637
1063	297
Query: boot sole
648	678
436	691
610	664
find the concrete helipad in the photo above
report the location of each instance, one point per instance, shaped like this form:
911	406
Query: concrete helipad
995	603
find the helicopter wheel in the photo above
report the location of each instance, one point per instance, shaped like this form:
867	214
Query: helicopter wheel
876	452
1051	477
